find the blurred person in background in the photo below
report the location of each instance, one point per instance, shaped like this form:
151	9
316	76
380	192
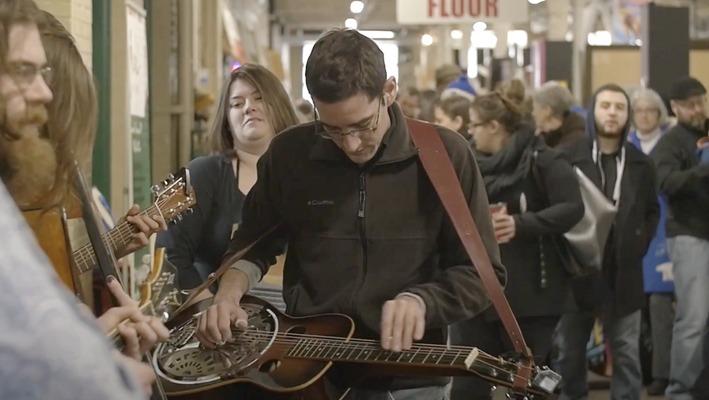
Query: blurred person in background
615	294
556	123
427	104
535	197
409	101
649	120
445	75
683	179
304	110
453	113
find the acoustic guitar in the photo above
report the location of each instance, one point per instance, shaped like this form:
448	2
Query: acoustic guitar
289	356
174	197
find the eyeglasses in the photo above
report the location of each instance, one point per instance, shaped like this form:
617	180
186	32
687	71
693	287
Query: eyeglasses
24	74
338	134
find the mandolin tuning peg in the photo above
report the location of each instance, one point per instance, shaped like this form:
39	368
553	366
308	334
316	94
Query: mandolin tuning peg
155	189
493	388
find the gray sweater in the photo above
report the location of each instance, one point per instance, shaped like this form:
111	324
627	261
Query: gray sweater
49	348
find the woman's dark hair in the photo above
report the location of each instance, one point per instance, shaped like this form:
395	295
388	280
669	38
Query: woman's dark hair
497	107
344	63
279	109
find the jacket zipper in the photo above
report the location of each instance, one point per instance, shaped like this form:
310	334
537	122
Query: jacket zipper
361	215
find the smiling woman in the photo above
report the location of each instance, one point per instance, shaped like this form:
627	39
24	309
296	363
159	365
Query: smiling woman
253	109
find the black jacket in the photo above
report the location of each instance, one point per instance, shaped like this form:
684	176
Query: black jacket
542	206
634	228
684	181
359	236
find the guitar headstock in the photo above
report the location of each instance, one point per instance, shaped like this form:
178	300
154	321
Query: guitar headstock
174	196
504	372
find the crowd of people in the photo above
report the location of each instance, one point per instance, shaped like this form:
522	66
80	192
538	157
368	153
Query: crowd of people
363	228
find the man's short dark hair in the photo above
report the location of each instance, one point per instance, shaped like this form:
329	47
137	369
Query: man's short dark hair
14	12
344	63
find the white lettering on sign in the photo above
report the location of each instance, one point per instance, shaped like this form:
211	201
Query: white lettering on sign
451	11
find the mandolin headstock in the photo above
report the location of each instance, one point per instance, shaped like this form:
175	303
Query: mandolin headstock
174	196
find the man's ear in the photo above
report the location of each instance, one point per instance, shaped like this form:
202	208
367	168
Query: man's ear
390	91
673	106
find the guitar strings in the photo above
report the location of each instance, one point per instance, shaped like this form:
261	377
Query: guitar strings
291	339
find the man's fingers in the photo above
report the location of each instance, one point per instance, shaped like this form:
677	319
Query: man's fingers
160	329
397	331
212	331
224	322
139	223
147	336
202	332
386	325
130	340
114	286
407	336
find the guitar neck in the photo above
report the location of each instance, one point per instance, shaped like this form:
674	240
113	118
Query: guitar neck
428	358
115	239
369	351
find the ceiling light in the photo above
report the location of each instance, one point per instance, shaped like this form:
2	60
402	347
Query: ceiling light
379	34
535	1
456	34
351	23
426	39
356	6
479	26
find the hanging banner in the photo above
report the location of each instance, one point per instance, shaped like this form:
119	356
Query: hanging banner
425	12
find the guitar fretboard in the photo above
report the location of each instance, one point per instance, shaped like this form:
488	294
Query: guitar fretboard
115	239
371	352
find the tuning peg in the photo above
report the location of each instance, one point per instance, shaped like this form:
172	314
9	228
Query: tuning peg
493	388
155	189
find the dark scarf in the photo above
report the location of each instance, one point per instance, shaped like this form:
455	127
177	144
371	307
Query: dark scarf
510	165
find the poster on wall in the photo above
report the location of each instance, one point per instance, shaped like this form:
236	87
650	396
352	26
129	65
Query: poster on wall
625	25
138	103
427	12
137	62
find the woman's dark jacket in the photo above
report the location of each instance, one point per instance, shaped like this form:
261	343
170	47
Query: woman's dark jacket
542	207
197	243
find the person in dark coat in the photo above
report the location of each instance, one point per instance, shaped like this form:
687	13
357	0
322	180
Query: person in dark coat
539	197
627	177
560	127
683	177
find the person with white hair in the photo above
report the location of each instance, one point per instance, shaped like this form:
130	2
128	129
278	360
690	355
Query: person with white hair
556	123
650	122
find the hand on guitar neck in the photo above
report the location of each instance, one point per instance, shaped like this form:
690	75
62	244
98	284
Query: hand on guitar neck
143	226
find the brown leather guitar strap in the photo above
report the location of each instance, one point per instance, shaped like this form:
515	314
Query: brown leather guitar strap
440	171
225	265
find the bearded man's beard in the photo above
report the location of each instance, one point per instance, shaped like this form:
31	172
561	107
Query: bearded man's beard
27	166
